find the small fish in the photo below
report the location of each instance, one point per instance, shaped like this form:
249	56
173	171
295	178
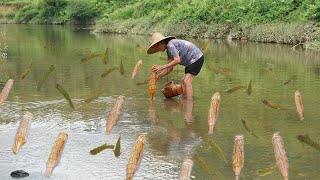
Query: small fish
143	82
26	72
56	152
152	84
91	56
65	94
136	68
238	155
108	71
45	77
6	90
22	132
114	114
265	171
202	164
274	106
214	111
94	95
299	105
205	47
105	57
244	122
185	170
101	148
117	149
306	139
217	149
135	156
280	155
235	89
287	82
121	68
249	88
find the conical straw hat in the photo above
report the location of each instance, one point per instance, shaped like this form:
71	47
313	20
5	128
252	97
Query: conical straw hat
156	38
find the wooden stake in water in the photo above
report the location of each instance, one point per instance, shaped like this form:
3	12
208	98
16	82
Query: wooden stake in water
136	68
56	152
214	111
22	132
238	155
185	170
114	114
135	156
152	84
280	155
299	105
6	90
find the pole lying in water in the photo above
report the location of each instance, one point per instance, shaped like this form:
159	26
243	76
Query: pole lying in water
185	170
238	155
214	111
299	105
280	155
135	156
114	114
152	84
6	90
56	153
22	132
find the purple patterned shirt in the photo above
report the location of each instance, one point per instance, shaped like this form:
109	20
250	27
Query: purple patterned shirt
187	51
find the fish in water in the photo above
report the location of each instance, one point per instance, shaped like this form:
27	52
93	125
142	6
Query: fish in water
56	152
214	111
287	82
274	106
202	164
108	72
26	72
306	139
101	148
249	88
114	113
280	155
143	82
19	174
152	84
185	170
265	171
235	89
65	94
136	68
91	56
121	68
238	155
205	47
94	95
6	90
217	149
117	150
299	105
45	77
22	132
105	57
135	156
244	122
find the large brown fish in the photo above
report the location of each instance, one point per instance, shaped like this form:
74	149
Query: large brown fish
135	156
114	114
214	111
6	90
152	84
22	132
56	153
185	170
136	68
238	155
299	105
280	155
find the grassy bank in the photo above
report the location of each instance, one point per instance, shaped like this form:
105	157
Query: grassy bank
276	21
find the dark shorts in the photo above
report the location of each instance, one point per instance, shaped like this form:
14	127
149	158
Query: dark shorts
195	67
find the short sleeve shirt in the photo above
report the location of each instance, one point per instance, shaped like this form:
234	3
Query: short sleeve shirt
187	51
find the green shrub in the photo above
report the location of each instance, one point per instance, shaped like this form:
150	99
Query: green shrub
10	15
26	14
82	10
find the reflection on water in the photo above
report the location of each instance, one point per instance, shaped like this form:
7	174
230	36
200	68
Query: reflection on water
177	129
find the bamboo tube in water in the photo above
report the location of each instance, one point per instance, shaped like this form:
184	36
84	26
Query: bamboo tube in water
214	111
135	156
6	90
185	170
238	155
299	105
56	153
280	155
136	68
152	84
114	114
22	132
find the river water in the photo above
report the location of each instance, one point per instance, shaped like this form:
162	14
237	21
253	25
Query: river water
176	129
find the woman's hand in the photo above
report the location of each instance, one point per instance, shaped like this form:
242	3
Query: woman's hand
156	68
